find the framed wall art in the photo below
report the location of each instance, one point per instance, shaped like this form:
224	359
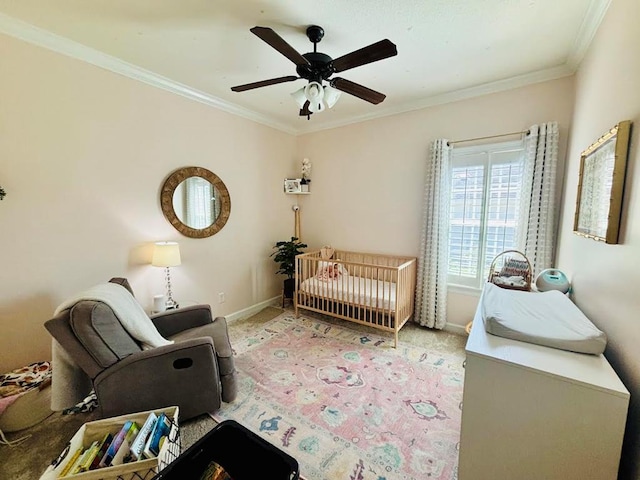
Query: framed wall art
601	185
292	185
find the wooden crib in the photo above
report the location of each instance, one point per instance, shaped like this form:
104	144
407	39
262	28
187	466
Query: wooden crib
370	289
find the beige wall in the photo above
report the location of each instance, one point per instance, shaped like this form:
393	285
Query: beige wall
368	178
606	278
83	154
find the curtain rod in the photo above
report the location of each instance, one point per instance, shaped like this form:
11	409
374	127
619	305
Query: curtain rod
490	136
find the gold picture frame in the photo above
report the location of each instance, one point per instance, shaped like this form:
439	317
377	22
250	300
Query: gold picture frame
601	185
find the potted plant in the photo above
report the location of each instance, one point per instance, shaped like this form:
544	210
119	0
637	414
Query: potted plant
285	254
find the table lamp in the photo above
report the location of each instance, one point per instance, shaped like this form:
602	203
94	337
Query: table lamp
167	254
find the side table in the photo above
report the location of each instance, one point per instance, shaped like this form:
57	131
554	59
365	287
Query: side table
180	305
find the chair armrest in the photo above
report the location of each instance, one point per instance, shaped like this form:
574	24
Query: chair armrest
184	374
159	355
175	321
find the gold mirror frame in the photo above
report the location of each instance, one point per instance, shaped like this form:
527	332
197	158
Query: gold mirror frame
166	201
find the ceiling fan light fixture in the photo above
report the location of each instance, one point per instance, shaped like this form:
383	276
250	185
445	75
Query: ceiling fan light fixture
331	95
299	97
315	107
314	92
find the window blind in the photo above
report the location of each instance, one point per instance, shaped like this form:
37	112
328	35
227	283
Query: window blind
485	194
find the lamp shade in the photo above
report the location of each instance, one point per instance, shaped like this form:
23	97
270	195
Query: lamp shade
314	92
166	254
316	106
299	97
331	95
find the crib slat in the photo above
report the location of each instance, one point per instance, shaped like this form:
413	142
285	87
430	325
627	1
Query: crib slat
355	297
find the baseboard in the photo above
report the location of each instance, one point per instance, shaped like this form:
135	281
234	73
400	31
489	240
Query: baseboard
274	301
453	328
247	312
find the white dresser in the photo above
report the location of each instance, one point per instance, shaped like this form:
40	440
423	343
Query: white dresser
537	413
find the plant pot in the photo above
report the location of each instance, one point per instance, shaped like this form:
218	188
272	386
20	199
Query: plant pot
289	287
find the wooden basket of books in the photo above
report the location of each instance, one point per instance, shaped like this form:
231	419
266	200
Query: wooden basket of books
134	446
511	269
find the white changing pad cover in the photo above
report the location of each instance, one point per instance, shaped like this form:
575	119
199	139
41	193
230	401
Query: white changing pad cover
548	318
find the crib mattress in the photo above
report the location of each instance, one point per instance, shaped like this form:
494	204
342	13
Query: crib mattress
354	290
549	318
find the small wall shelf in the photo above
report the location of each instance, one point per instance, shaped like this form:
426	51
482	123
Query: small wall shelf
295	186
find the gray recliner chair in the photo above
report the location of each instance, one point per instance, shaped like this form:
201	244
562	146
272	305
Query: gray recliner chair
196	373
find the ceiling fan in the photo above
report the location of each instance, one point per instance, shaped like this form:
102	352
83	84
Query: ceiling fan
316	67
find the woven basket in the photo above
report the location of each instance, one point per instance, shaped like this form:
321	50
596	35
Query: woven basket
144	469
507	266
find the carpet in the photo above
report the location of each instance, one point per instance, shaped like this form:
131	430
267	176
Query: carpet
346	404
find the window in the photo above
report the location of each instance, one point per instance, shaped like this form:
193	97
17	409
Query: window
485	201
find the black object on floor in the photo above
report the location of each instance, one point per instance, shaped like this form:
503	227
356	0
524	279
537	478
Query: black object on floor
243	455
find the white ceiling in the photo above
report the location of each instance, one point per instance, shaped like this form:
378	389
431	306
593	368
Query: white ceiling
447	49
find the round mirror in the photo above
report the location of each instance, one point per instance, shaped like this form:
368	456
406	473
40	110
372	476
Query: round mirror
195	201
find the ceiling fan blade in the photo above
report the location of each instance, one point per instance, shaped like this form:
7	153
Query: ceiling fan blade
276	41
304	111
263	83
358	90
374	52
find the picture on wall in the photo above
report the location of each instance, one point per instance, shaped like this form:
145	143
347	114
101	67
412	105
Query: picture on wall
292	185
601	185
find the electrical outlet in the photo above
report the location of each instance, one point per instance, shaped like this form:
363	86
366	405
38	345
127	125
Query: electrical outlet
221	297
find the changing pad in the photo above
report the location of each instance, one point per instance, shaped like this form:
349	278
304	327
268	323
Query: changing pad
546	318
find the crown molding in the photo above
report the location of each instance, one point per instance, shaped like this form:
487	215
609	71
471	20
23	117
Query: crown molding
590	24
45	39
454	96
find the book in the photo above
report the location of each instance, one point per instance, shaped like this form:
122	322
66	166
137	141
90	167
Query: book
215	471
123	453
138	444
87	459
74	468
102	449
83	464
161	428
115	445
70	464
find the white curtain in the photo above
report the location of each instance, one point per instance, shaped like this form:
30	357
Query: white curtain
536	232
431	290
200	203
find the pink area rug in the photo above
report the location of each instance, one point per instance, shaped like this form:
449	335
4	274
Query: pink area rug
347	405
